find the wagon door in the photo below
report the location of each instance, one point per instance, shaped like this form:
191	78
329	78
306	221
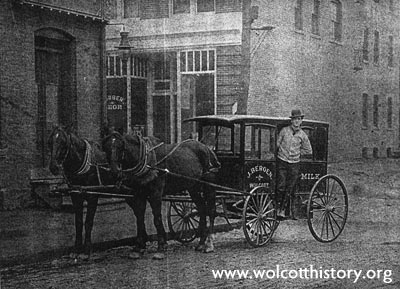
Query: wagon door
259	154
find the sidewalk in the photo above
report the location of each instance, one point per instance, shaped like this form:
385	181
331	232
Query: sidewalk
32	234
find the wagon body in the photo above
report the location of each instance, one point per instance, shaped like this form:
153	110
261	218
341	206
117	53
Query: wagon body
246	148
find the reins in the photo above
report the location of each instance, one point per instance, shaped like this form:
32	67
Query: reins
171	152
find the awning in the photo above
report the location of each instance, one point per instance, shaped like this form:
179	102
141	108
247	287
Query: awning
63	10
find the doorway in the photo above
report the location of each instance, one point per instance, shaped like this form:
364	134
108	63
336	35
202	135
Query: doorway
54	78
197	99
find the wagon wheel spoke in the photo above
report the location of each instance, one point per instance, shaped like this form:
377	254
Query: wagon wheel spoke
334	220
336	214
319	196
331	225
266	208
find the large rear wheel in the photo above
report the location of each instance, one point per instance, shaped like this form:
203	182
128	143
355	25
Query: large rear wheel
259	217
327	208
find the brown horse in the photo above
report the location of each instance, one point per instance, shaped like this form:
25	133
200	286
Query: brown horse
80	162
154	169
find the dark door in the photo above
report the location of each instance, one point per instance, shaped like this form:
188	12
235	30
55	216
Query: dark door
53	78
138	104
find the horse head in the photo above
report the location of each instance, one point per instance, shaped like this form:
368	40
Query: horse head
59	144
114	147
126	154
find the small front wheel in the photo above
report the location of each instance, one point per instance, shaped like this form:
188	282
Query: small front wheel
327	208
259	217
183	220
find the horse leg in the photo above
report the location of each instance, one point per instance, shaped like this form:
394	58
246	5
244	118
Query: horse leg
138	206
201	207
92	202
212	210
77	203
156	204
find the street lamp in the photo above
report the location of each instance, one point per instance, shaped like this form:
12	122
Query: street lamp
124	46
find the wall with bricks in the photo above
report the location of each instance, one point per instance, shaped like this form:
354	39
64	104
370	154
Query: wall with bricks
228	77
19	91
292	68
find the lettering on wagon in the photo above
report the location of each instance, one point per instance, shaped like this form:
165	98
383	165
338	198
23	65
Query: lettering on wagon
262	174
310	176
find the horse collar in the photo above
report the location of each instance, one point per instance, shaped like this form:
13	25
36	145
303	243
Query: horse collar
69	144
85	166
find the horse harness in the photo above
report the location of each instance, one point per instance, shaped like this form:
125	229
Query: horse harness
87	161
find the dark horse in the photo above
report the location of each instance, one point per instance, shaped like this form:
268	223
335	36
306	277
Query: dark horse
80	161
154	169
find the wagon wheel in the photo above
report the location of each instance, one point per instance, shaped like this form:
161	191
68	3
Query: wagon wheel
327	208
259	217
183	221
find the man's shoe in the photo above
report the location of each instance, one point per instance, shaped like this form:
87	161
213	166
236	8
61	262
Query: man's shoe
281	214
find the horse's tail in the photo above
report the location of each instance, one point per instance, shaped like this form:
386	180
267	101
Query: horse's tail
214	164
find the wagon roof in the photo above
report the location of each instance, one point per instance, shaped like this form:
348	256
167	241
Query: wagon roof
237	118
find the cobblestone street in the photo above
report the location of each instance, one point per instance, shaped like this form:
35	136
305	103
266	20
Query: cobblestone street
370	241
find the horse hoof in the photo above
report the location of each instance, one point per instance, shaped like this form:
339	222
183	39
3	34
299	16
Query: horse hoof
208	250
139	250
158	256
152	250
134	256
83	257
200	248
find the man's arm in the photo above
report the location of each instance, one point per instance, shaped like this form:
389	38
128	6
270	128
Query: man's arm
280	138
306	148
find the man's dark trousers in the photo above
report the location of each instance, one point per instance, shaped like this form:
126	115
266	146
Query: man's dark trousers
288	175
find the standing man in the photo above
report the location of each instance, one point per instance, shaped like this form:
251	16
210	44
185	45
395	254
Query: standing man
292	142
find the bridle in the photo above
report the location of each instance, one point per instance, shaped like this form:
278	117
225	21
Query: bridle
86	164
142	166
68	149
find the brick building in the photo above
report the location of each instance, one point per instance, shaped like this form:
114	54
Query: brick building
51	67
337	60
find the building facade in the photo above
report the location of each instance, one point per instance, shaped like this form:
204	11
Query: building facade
51	75
337	60
185	60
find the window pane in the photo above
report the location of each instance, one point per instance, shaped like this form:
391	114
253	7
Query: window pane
118	65
211	61
365	110
183	61
204	60
224	139
112	71
390	113
197	60
131	8
376	112
190	61
205	6
181	6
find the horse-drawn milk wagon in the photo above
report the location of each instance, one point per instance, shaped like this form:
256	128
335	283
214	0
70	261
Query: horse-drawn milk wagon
246	182
244	149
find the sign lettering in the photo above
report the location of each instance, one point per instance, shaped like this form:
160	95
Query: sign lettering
310	176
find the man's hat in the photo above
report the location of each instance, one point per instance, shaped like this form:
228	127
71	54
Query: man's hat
296	113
